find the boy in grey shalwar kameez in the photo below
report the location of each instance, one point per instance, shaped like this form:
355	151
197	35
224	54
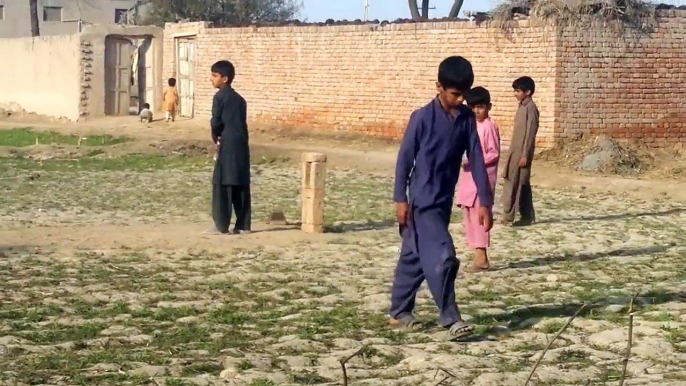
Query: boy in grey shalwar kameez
517	194
428	163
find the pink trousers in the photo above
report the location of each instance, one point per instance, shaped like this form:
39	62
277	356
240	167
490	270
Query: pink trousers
476	236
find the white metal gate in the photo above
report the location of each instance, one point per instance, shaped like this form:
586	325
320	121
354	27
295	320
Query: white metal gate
186	73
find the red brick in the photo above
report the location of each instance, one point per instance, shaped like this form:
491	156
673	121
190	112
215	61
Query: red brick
368	79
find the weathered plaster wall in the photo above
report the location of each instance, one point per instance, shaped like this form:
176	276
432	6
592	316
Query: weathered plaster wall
41	75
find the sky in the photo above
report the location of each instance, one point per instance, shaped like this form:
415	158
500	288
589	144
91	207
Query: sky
320	10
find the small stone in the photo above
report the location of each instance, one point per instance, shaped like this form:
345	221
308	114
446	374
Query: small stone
149	371
297	361
615	308
187	320
610	338
138	339
104	368
552	278
228	374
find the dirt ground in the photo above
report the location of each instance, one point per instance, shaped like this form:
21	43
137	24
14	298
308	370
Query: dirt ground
107	277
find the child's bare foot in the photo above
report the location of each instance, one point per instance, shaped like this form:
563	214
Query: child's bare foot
480	263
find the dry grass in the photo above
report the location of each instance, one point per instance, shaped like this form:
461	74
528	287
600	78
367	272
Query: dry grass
633	159
620	15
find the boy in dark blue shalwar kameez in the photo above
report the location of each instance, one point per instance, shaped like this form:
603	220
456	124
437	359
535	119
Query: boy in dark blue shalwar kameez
428	166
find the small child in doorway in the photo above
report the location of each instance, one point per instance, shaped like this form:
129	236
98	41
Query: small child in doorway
478	238
171	100
145	115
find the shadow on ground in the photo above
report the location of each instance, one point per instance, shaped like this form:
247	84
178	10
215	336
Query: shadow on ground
360	227
7	250
582	257
526	317
617	216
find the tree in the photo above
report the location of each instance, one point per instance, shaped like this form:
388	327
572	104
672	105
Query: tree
220	11
414	9
35	29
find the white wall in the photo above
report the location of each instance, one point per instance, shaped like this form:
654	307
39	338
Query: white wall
41	75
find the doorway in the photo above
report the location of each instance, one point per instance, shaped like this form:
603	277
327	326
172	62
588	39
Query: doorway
185	48
118	60
129	76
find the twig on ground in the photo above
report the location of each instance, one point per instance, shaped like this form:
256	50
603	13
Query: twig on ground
629	340
346	359
449	376
531	374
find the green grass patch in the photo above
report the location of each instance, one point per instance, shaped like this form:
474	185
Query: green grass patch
55	333
22	137
131	162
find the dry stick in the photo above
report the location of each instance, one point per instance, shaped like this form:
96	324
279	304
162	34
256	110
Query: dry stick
345	360
629	340
445	371
442	381
531	374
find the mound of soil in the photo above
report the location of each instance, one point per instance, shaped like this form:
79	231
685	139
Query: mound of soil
608	156
601	155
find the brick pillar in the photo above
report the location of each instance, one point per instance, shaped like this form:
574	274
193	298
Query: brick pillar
313	183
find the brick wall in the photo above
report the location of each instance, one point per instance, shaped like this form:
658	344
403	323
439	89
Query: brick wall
368	79
633	88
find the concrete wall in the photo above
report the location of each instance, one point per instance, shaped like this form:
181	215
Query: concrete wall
64	76
369	78
17	20
93	64
41	75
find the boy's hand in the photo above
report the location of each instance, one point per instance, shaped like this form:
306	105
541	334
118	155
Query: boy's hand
522	162
402	212
486	217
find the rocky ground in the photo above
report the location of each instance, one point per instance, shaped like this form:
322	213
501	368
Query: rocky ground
106	278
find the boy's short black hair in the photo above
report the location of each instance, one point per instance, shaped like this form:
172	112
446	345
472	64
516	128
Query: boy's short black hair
146	106
478	96
171	82
525	84
224	68
456	72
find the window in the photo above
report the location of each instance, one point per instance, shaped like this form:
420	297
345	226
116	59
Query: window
52	13
120	15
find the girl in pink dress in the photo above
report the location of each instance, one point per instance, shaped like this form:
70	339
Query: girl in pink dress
479	99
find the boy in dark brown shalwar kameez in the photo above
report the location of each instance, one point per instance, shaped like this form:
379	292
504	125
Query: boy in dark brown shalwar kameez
517	193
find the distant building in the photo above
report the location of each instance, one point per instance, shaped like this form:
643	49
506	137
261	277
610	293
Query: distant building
60	17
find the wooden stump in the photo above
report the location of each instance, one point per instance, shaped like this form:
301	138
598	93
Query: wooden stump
313	183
